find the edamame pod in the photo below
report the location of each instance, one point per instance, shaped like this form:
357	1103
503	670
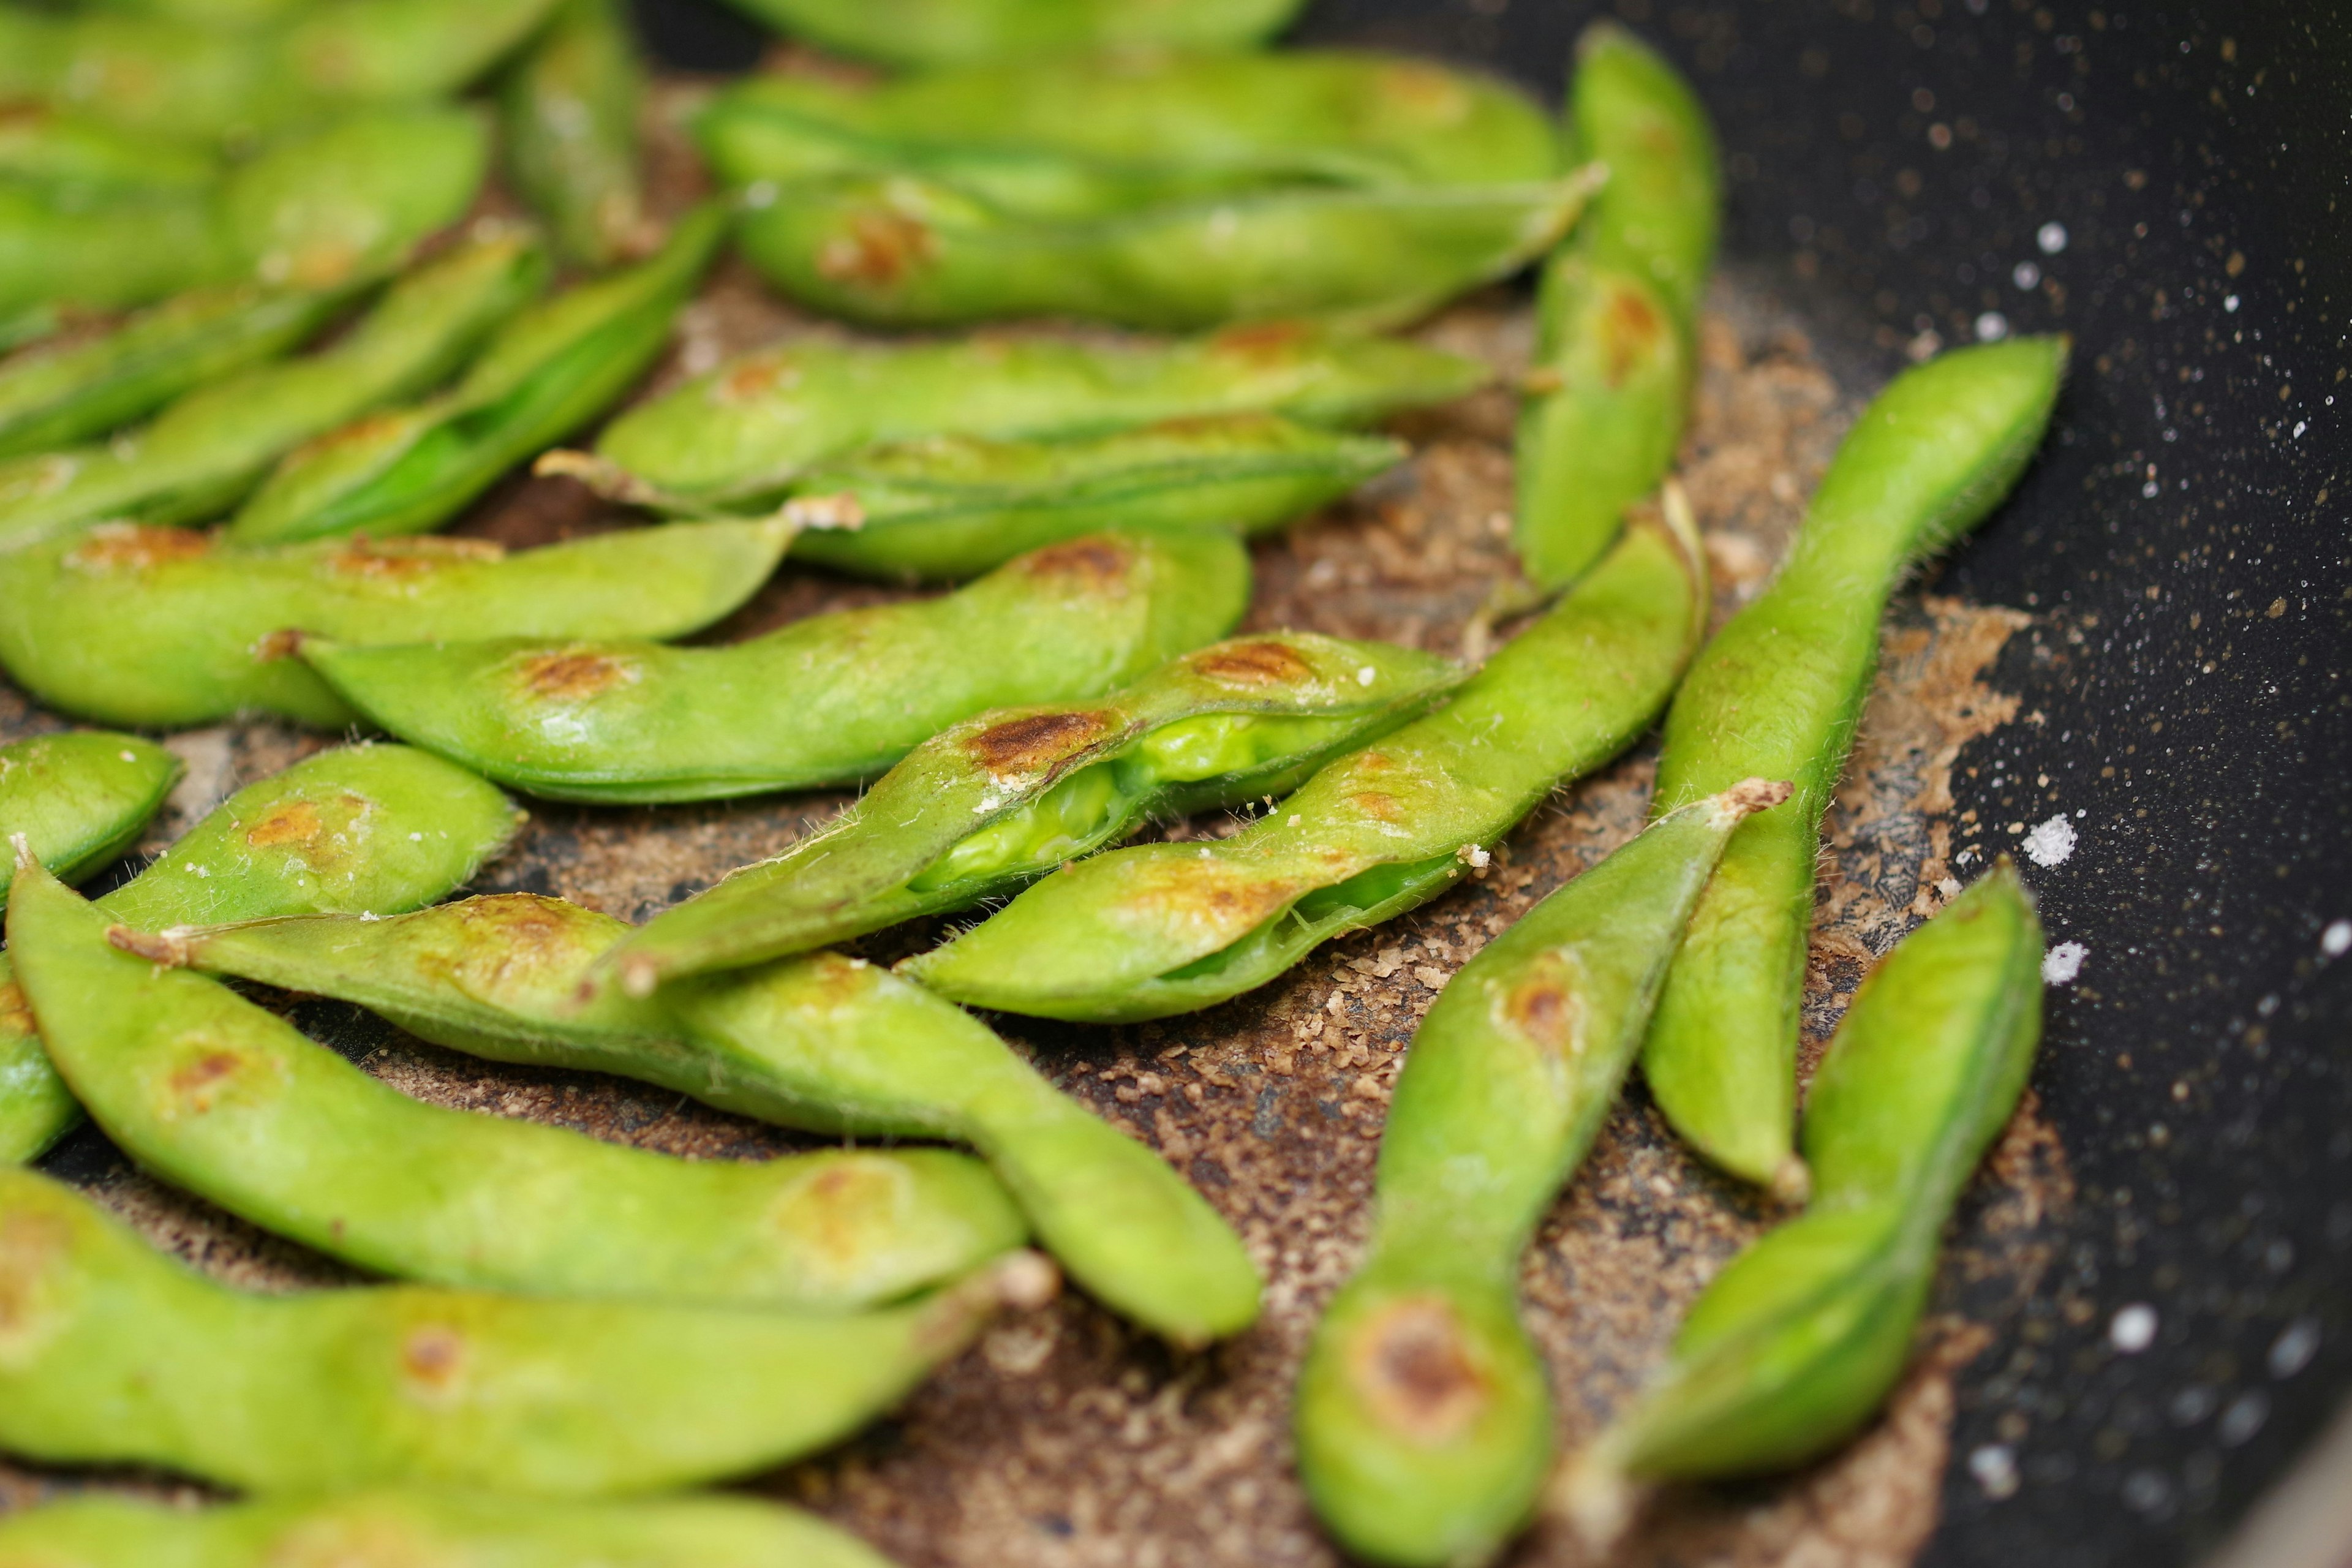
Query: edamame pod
120	1353
1618	317
1327	116
550	370
1777	693
163	625
1796	1343
1423	1428
748	430
54	394
201	454
906	252
81	798
1157	929
998	801
824	700
220	1097
822	1041
424	1529
569	107
938	32
378	829
87	158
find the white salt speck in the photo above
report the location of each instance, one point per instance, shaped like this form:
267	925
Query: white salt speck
417	838
2244	1419
128	756
1995	1469
1475	854
1293	820
1367	674
1991	327
2063	963
2336	939
2133	1328
2050	843
2026	274
2051	237
2294	1347
2230	304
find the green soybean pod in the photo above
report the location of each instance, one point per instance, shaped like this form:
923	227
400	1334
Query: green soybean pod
902	252
820	1041
550	370
999	800
1794	1345
1291	116
124	1355
374	830
748	430
1423	1428
422	1529
204	451
80	798
222	1098
1617	320
569	107
1777	693
217	14
826	700
162	626
69	154
57	254
949	32
55	393
1159	929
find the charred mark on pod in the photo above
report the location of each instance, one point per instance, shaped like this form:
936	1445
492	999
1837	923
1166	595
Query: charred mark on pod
433	1357
756	378
574	675
1547	1012
293	822
1263	341
1254	664
1417	1370
1099	560
131	547
196	1085
1631	332
1038	741
880	247
364	557
15	1012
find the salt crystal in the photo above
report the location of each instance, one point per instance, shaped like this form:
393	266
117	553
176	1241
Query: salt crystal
2051	842
2063	963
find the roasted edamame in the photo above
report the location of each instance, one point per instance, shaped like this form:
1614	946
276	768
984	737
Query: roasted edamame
935	32
824	700
80	798
569	108
1777	693
117	1353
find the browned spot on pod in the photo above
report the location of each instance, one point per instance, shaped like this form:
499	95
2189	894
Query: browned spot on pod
1100	560
841	1210
206	1071
16	1013
131	547
1263	341
360	432
880	247
755	378
1220	895
1417	1370
1547	1010
290	822
364	557
1252	664
1426	92
1037	741
1378	804
32	1246
1631	329
574	675
433	1357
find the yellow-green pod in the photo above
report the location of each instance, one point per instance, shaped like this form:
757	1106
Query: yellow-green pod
942	32
80	799
569	107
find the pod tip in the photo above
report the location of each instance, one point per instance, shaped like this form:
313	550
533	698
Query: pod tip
639	975
164	949
1758	794
1591	1495
1792	1180
838	511
1025	1281
25	859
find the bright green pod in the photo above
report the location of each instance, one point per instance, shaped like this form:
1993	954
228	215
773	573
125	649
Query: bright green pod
953	507
990	804
210	447
223	14
1798	1341
373	829
123	1354
552	369
826	700
106	255
1296	115
1777	693
824	1042
1423	1425
80	799
1158	928
164	627
227	1100
954	32
424	1529
748	430
901	252
1617	321
569	109
54	394
89	158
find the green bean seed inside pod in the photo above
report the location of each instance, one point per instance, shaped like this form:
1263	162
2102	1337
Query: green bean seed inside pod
821	1041
569	108
1423	1428
1158	928
1618	317
224	1099
942	32
162	626
424	1529
748	430
374	830
1001	799
1793	1346
1777	693
80	799
120	1354
826	700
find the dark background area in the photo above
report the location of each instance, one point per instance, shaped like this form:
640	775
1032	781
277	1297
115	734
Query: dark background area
2184	543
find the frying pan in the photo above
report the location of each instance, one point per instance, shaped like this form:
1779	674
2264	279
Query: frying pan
2172	183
